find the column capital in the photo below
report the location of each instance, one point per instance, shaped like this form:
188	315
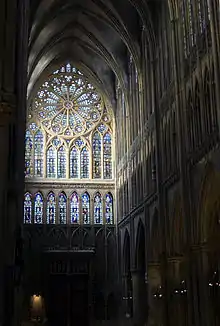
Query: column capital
6	111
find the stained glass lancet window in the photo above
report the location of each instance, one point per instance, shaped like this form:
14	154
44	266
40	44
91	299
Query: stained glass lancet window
38	208
74	163
96	147
62	208
98	219
108	208
84	164
61	164
38	154
51	162
107	156
51	208
28	154
74	208
86	208
27	208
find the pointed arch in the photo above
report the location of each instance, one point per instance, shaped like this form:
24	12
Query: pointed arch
38	208
85	208
27	208
84	163
107	156
74	163
98	214
38	153
96	151
109	215
74	208
51	208
140	248
61	162
51	162
62	208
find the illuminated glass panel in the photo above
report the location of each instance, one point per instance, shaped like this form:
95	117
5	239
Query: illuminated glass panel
109	208
38	153
98	219
74	163
38	209
27	208
61	173
51	162
107	156
57	98
86	208
51	208
74	208
62	208
96	148
28	154
84	168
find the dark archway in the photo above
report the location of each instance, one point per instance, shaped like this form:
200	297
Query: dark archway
140	300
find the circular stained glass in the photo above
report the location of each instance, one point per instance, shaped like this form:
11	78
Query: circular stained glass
67	104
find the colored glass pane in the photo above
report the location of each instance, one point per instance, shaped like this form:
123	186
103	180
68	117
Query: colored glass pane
51	162
74	208
74	163
61	173
62	208
27	208
96	148
28	154
86	208
38	154
38	209
107	156
51	209
84	167
108	208
98	209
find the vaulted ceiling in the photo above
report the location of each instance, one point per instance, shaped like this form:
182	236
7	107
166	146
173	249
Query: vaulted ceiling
97	35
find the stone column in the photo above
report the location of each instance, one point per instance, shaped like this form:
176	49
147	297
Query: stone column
140	302
200	283
155	295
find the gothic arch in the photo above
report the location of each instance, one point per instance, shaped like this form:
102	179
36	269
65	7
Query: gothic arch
126	253
140	261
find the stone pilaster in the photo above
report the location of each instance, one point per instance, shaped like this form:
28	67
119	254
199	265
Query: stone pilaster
140	302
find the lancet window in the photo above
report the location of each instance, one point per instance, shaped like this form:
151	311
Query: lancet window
83	208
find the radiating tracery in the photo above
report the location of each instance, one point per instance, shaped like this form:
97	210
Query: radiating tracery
68	121
69	140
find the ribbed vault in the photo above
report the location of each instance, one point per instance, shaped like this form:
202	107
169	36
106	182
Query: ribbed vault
99	36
